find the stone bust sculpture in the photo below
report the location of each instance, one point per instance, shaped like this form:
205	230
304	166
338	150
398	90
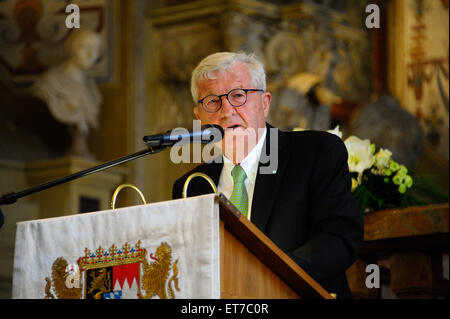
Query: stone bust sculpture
71	96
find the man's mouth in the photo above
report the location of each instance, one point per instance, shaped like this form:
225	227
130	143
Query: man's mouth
233	127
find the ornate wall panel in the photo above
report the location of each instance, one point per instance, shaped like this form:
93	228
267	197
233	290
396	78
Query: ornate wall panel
290	39
418	64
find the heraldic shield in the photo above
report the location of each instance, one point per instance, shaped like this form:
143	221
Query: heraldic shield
115	274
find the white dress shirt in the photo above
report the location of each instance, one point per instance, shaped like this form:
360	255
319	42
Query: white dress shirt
250	166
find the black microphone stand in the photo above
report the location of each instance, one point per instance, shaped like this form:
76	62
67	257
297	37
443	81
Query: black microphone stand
13	197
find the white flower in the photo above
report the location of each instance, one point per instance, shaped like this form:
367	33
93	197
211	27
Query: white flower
382	158
336	131
359	156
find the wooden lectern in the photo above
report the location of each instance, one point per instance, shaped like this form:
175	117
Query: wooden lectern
207	231
252	266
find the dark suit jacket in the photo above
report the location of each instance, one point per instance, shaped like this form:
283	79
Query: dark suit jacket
306	208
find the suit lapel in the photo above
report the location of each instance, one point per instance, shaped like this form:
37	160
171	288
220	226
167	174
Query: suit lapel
213	170
267	185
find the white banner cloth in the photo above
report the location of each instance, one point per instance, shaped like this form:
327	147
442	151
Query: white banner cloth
114	238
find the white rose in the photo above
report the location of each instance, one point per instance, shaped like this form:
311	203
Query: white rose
359	156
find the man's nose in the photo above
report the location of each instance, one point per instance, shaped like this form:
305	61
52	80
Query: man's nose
227	109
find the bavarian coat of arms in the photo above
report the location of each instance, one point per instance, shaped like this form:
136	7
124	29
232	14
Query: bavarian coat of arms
115	274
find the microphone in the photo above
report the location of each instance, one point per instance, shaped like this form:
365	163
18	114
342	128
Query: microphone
206	134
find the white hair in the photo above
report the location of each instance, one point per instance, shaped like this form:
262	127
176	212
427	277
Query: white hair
221	61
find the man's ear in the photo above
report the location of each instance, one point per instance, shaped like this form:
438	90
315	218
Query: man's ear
196	112
266	98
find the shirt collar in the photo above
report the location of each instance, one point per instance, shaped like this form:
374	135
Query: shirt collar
250	162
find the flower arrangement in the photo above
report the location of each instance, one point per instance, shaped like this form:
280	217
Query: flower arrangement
378	182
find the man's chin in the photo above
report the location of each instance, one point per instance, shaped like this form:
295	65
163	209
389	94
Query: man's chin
236	149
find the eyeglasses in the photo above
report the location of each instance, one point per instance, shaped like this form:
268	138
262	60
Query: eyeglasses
236	97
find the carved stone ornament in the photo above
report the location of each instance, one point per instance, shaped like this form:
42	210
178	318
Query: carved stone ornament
289	39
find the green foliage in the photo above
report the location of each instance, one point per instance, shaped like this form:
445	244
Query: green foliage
376	193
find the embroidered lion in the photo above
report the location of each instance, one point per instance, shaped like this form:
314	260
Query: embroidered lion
59	276
100	284
157	272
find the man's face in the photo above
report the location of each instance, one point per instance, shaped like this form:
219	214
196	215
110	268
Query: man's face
241	123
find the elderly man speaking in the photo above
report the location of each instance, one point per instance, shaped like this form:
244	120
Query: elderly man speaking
303	203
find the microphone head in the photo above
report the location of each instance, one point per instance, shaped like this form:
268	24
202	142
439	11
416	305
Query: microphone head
206	134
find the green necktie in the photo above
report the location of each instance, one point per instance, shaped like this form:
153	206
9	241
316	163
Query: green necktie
239	196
